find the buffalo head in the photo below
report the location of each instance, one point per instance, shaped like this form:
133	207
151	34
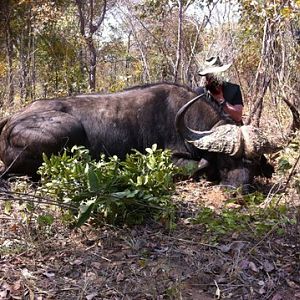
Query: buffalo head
232	154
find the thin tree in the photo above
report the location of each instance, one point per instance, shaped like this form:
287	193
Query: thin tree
89	24
179	41
5	13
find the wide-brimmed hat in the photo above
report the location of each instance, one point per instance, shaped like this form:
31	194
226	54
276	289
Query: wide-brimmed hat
213	65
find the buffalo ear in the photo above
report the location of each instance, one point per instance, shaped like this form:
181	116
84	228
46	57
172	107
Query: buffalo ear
202	164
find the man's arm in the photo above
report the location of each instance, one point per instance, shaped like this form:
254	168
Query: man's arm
234	105
234	111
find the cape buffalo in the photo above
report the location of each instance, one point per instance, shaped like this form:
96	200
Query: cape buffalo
116	123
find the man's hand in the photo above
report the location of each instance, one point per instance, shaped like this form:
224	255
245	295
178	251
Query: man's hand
219	97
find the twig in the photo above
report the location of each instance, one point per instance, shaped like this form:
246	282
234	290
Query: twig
11	164
192	242
218	291
289	179
280	187
221	284
266	235
291	173
38	200
103	257
273	191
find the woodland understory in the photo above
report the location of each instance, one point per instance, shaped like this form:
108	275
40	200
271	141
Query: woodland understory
221	243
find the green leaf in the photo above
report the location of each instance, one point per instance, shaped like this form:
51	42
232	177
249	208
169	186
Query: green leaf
139	180
149	150
284	164
93	182
7	207
45	220
125	194
85	214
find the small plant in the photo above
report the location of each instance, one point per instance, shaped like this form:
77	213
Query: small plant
111	190
218	224
288	163
248	200
253	219
284	164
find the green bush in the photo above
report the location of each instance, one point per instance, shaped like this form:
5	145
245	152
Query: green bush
111	190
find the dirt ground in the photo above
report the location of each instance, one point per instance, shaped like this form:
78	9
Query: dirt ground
147	262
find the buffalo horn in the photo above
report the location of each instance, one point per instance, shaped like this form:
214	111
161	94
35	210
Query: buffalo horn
187	133
224	138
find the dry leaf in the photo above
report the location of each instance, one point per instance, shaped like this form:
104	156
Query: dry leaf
253	267
268	267
49	274
78	262
120	277
262	291
96	265
277	296
225	248
17	285
91	296
5	291
292	284
14	228
244	264
27	274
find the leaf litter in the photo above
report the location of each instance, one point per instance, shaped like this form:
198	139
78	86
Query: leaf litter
147	262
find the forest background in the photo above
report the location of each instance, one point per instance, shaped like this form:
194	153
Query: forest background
224	244
64	47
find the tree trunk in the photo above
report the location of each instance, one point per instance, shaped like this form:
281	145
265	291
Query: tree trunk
93	61
88	27
25	57
23	69
9	54
33	69
258	105
179	41
127	62
262	79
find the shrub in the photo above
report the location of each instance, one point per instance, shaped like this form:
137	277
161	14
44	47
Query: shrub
111	190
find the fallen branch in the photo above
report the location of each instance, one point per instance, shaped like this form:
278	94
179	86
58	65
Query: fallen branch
15	196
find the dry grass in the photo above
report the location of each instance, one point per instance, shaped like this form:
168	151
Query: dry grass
147	262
